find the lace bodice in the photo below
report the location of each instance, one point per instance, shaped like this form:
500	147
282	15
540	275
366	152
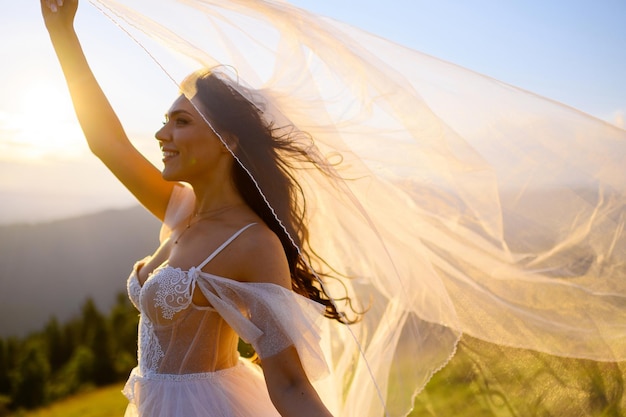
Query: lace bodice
182	339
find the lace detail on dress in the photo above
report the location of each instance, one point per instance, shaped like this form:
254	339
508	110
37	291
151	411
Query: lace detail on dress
175	290
150	352
213	375
134	289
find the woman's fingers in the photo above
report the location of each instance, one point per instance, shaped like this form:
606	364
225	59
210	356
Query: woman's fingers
58	14
54	5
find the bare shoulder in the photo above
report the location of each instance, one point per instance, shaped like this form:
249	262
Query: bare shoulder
263	257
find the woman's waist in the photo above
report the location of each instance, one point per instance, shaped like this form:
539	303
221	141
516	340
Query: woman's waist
203	359
190	375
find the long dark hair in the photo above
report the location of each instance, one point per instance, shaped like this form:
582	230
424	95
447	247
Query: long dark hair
267	153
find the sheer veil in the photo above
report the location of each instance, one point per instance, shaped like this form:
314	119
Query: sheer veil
452	204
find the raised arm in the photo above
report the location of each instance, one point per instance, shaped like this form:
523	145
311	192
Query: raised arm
101	126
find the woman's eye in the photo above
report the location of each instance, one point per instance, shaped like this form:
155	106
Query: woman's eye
181	122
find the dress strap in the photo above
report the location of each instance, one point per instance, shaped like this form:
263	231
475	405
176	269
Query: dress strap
223	245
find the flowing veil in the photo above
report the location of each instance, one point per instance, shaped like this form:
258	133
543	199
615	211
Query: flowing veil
452	207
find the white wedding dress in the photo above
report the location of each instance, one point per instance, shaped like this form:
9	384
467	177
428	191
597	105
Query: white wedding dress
188	359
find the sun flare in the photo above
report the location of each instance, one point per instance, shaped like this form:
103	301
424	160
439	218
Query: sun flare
41	124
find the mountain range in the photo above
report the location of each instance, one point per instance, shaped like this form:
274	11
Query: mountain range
50	269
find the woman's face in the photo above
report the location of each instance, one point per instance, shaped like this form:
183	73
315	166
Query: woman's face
191	150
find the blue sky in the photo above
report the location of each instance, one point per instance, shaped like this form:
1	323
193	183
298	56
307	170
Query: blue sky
572	51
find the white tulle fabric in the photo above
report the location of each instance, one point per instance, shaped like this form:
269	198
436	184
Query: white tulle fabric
188	359
465	205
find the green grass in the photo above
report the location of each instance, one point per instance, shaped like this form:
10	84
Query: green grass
482	380
485	380
102	402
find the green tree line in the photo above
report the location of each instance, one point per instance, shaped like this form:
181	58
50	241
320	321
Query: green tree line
482	380
92	349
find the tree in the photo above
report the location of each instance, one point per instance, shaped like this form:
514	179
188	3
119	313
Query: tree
6	364
123	321
96	337
58	350
30	377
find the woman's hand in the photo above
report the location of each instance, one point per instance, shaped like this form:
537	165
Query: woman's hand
58	15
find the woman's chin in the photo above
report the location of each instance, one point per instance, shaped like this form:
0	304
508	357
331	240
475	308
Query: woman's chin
169	176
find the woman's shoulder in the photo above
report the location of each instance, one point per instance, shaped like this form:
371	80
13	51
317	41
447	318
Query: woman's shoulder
263	258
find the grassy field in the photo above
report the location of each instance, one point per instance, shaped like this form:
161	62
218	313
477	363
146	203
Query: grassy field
103	402
485	380
482	380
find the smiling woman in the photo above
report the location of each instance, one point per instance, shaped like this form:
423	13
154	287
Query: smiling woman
43	124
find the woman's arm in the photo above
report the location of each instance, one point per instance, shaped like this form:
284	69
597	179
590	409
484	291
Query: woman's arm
261	258
101	126
289	388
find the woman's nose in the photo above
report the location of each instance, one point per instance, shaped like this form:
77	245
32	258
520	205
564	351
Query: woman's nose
161	134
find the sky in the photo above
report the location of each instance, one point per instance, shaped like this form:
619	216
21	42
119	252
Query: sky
572	51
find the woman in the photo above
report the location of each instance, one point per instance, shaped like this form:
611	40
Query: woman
218	226
461	212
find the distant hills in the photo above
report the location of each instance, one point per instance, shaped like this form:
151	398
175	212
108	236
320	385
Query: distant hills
51	268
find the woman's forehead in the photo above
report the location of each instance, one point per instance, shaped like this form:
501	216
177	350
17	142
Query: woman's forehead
182	103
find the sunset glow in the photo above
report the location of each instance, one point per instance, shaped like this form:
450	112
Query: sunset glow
41	124
571	54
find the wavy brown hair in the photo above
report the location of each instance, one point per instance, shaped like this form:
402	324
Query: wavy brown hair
268	154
